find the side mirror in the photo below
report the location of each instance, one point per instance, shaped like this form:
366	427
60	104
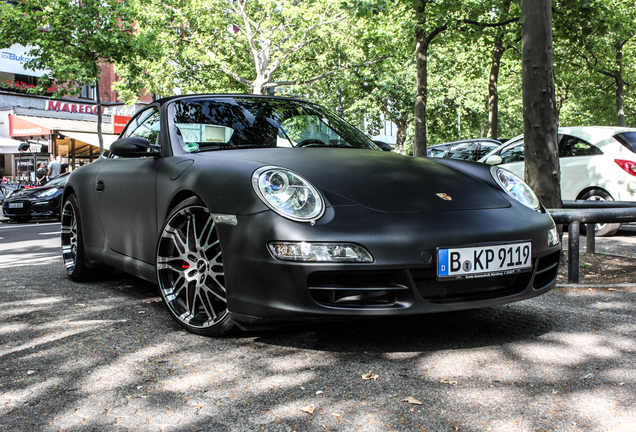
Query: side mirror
494	160
134	147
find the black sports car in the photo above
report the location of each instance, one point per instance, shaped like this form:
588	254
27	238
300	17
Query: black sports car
22	205
248	209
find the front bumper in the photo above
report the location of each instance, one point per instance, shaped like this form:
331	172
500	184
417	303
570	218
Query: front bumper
400	281
29	208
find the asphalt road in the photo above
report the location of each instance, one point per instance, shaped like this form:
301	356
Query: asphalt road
106	356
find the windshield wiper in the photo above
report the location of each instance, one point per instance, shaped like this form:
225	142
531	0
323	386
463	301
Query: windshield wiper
230	147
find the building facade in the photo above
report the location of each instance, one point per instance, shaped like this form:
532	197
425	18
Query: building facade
33	127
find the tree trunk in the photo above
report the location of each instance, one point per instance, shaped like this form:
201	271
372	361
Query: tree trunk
421	53
493	93
498	51
618	76
539	103
400	136
99	119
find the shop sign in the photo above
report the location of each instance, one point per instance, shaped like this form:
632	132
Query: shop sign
60	106
20	127
119	123
15	58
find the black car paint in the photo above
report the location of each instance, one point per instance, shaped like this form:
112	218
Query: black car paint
383	201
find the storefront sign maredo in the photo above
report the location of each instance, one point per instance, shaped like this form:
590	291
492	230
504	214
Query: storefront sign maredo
21	127
119	123
60	106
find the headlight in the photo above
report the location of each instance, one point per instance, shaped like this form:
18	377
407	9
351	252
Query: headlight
320	252
288	194
47	193
516	188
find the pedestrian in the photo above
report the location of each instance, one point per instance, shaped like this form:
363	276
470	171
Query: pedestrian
63	167
40	175
54	166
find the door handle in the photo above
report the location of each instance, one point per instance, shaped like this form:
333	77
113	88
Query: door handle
99	186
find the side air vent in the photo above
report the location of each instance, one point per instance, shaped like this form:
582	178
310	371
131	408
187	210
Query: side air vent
357	290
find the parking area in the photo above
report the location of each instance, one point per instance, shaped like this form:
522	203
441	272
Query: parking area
106	356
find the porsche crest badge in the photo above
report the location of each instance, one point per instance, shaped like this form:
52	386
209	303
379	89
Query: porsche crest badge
444	196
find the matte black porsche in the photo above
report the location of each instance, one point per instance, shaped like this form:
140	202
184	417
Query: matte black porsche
248	209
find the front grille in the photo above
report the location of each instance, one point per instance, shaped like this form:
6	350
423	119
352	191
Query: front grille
441	291
24	211
394	289
358	289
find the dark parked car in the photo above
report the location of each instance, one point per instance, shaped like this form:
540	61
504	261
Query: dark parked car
472	149
24	204
248	210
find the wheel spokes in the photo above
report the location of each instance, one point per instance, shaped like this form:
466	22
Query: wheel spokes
190	268
69	237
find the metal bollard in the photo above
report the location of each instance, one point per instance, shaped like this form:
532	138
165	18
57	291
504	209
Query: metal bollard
591	238
573	252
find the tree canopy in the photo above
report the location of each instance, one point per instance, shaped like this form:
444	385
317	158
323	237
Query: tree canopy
71	39
365	57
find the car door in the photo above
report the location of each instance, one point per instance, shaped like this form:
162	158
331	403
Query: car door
126	194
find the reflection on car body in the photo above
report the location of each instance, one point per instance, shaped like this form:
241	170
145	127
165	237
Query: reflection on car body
252	209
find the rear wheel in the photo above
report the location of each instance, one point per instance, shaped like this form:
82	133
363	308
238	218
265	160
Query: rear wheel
73	245
602	229
190	270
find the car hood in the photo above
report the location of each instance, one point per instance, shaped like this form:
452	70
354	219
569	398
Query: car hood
385	182
31	193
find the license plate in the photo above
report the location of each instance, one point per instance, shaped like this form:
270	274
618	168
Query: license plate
16	205
484	261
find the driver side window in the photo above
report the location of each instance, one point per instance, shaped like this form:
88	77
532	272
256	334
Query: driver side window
146	125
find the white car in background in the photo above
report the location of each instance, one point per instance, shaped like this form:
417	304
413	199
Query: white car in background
597	163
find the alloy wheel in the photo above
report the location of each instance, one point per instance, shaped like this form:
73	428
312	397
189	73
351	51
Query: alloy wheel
190	270
69	236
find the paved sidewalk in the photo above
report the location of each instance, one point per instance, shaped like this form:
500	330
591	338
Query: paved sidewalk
107	357
621	244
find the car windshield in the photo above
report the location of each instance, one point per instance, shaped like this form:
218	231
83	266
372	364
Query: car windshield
57	181
234	123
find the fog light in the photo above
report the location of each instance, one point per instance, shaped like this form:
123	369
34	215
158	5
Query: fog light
553	237
320	252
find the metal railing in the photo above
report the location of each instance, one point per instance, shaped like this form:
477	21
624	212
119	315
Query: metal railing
575	213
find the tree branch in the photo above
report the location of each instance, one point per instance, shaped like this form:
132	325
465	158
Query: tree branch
322	76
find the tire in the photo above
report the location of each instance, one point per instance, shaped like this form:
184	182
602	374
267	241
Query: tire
605	229
190	271
75	261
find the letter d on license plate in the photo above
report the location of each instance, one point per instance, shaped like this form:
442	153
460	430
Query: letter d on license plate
483	261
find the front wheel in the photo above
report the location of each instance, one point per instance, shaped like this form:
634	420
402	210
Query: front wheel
190	270
602	229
